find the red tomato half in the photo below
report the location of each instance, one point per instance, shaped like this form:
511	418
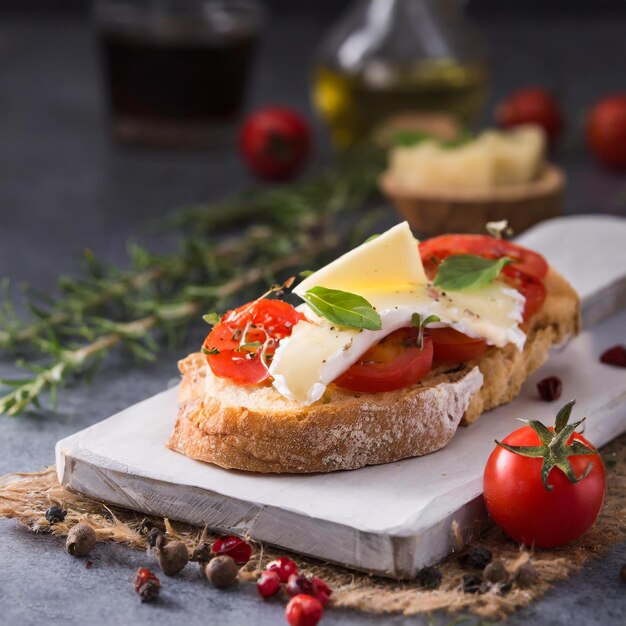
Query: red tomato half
451	346
264	322
435	250
394	363
606	131
531	105
275	142
519	503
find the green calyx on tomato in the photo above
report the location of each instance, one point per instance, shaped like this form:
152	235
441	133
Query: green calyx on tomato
554	448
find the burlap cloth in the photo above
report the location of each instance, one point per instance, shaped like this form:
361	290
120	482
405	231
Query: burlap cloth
26	497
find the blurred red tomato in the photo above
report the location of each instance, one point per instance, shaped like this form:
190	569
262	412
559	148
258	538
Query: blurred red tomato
531	105
275	142
606	131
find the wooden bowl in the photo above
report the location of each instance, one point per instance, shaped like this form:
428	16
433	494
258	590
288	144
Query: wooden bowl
438	212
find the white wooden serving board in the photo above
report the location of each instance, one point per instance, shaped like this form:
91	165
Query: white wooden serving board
389	519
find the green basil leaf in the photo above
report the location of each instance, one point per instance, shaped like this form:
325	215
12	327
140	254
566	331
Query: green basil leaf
410	137
211	318
343	308
464	272
210	350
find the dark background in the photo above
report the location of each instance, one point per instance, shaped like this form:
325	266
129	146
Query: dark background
64	186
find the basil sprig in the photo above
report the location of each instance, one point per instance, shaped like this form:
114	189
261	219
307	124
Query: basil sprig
342	308
465	272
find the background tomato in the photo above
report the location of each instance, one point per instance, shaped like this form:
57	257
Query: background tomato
275	142
531	105
606	131
529	513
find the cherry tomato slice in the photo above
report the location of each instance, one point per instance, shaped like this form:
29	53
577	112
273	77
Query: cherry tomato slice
394	363
451	346
530	287
238	358
433	251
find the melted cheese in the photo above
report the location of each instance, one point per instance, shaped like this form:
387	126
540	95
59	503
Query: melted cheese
388	272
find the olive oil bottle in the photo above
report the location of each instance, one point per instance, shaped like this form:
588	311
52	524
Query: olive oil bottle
394	56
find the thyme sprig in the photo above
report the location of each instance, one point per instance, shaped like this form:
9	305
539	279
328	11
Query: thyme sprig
153	303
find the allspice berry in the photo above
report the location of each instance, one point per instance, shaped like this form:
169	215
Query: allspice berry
526	575
81	540
495	572
173	557
221	571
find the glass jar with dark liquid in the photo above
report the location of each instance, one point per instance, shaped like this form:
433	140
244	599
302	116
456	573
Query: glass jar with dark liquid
175	70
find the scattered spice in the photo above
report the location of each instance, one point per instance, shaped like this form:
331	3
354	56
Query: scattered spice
614	356
235	547
155	538
284	567
622	573
201	553
475	557
88	564
268	584
147	585
55	514
526	575
550	388
495	572
429	577
173	557
322	590
81	540
221	571
473	583
299	583
304	610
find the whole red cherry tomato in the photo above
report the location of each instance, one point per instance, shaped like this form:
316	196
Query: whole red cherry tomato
528	493
275	142
606	131
531	105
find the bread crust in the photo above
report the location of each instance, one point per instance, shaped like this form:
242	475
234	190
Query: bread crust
259	430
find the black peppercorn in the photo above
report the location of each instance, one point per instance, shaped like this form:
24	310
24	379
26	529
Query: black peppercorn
201	553
472	583
172	557
495	572
526	575
622	573
221	571
476	557
81	540
153	537
55	514
429	577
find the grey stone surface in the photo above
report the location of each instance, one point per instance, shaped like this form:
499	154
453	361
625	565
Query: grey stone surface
63	187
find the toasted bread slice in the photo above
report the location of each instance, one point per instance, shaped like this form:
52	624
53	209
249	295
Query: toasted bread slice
257	429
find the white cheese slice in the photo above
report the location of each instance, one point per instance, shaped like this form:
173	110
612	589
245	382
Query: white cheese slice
388	272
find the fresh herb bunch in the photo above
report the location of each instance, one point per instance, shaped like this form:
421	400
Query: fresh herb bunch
151	305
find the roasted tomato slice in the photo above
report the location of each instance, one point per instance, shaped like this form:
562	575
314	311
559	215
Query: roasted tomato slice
451	346
246	337
433	251
525	274
529	286
393	363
